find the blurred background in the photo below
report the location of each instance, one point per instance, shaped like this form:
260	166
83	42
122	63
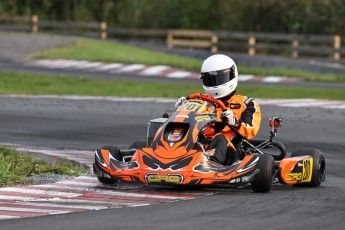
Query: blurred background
292	28
294	43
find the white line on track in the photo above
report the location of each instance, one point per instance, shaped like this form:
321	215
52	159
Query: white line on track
60	63
77	183
140	69
140	195
19	198
6	217
88	65
109	192
178	74
245	77
310	104
38	191
154	70
47	211
108	67
86	201
92	178
64	205
130	68
275	102
273	79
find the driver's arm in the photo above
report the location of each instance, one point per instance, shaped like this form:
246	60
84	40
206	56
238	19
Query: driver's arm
249	123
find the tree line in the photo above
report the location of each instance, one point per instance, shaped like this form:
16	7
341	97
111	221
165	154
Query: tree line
281	16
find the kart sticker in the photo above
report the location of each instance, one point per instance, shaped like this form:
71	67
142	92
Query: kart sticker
305	175
235	106
168	178
203	118
190	107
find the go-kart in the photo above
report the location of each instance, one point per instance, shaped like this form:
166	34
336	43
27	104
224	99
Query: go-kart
174	153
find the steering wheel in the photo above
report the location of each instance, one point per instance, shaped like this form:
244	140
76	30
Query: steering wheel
209	99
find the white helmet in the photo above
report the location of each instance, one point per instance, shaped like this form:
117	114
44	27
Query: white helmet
219	76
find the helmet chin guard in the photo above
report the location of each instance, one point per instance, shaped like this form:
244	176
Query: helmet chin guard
222	90
219	75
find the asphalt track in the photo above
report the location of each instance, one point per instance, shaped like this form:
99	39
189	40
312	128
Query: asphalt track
88	124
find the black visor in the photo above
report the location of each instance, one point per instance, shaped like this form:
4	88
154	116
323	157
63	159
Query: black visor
220	77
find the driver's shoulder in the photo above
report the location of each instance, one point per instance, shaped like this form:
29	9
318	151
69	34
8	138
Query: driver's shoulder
241	98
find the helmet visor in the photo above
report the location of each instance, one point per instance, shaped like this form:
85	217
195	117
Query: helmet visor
215	78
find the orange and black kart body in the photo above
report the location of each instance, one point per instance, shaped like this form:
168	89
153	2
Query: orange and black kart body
174	154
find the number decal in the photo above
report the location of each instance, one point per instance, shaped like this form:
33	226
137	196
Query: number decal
190	107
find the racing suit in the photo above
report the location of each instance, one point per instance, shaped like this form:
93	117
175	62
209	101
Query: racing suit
224	140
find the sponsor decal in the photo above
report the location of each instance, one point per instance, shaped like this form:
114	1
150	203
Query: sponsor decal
293	176
203	118
305	175
235	106
307	170
168	178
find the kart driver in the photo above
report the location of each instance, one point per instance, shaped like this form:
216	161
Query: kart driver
220	77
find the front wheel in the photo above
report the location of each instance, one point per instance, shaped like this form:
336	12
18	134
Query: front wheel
138	144
263	179
319	165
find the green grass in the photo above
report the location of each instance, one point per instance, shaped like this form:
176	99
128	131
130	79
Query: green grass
17	169
16	83
104	51
95	50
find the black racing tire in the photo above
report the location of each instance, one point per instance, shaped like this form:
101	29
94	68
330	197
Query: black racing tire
275	144
262	182
104	180
116	153
138	144
319	166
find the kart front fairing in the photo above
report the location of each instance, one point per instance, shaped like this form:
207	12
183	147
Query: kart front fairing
176	156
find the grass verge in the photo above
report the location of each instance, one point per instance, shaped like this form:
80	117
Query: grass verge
38	84
16	168
105	51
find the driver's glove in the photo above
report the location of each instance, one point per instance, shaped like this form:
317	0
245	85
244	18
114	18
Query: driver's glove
180	101
229	117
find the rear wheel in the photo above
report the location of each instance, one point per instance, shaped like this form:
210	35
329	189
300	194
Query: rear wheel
116	153
138	144
319	165
263	179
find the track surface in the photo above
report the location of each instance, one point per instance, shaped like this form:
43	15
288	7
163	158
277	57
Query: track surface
89	124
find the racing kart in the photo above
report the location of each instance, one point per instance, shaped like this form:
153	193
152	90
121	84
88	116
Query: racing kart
174	154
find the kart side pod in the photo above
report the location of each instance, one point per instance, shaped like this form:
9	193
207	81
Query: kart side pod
295	170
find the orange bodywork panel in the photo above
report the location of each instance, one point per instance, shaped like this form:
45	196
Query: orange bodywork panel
296	170
195	169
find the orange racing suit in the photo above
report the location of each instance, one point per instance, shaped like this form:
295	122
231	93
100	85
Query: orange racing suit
248	114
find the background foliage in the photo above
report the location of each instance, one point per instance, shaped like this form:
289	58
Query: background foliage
288	16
